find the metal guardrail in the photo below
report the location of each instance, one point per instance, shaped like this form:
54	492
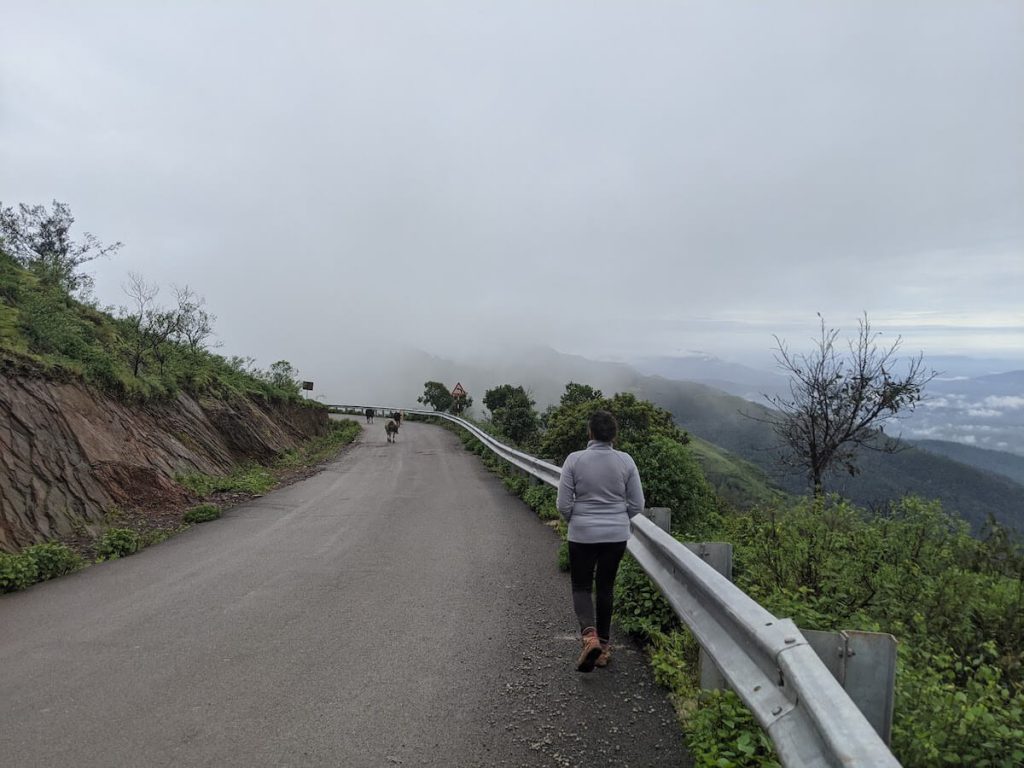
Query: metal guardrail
766	660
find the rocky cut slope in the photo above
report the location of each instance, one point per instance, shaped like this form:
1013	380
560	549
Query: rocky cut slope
69	454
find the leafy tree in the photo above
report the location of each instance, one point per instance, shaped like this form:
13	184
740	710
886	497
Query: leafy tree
579	393
499	397
284	376
40	240
436	395
839	401
670	476
639	420
575	394
512	412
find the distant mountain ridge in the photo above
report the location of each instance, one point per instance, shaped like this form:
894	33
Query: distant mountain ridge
704	368
725	421
732	423
737	425
984	409
1006	464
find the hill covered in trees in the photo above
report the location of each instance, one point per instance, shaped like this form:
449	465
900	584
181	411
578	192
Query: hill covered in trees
998	462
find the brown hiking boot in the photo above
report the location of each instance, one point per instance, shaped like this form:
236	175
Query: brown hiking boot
606	654
590	651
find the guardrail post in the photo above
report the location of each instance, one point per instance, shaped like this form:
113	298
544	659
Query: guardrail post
717	554
864	663
660	516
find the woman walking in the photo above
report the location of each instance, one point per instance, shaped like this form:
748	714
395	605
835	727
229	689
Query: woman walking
599	492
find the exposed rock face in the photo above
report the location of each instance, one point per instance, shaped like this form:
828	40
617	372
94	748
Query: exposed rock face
68	454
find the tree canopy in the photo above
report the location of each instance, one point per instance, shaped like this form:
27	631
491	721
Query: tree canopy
671	477
512	412
436	395
40	240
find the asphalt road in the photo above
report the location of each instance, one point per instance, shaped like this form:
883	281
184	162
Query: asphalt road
399	608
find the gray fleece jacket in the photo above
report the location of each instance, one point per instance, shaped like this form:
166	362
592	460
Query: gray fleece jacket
599	491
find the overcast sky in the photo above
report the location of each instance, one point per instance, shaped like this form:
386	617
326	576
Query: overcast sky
612	179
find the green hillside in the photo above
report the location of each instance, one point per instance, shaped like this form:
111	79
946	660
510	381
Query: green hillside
45	329
1008	465
732	423
737	482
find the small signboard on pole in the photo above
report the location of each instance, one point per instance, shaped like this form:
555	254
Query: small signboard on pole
458	391
307	385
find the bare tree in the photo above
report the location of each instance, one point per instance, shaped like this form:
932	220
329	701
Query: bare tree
142	295
840	400
195	324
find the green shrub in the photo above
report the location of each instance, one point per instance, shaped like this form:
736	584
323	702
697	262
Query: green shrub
117	542
254	480
339	433
722	733
155	536
537	495
541	499
640	608
674	659
45	319
954	603
563	556
202	513
953	713
672	478
515	482
53	559
17	572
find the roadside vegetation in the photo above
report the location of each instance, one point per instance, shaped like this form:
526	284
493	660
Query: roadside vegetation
202	513
954	602
125	533
255	479
146	349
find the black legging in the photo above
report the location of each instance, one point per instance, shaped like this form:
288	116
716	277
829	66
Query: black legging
584	560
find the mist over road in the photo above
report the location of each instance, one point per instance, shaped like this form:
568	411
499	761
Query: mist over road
399	608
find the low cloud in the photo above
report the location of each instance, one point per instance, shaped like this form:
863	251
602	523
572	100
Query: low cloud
1012	402
984	413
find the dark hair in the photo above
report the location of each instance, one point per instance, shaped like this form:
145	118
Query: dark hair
603	426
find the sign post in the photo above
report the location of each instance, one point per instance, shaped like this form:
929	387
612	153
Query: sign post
459	396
